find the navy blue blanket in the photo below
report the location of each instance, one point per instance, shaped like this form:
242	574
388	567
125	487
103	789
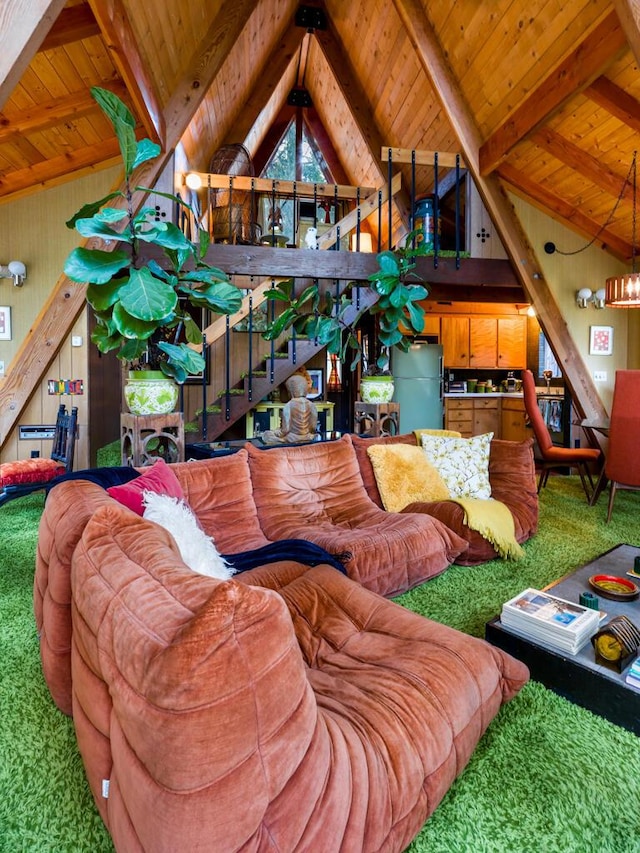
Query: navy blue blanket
286	549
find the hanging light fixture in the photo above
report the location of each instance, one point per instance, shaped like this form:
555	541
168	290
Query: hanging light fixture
623	291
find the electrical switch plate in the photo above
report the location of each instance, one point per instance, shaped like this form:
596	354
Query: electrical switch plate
599	375
76	340
1	368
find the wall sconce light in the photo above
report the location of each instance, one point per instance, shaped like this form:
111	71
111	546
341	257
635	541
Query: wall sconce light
15	270
585	296
366	242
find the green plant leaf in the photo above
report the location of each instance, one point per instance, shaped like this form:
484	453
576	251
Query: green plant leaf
132	327
147	297
147	150
103	340
281	323
221	296
182	355
204	241
102	296
95	266
123	125
132	349
209	275
192	331
167	235
399	297
417	291
307	294
276	295
95	228
416	317
90	209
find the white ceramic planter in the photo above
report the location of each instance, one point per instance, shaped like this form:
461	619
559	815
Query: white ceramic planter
376	389
150	392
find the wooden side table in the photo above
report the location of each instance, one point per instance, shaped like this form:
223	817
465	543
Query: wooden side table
145	438
376	419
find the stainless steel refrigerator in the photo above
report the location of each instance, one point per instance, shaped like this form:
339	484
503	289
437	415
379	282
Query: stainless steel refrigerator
419	382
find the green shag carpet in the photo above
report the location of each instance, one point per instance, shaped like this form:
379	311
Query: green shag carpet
547	776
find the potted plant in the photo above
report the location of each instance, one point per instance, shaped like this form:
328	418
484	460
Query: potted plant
142	308
333	321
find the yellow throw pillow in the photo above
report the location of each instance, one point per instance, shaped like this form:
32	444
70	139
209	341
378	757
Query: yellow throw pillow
404	475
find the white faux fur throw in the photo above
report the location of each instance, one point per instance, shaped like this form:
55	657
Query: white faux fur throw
197	549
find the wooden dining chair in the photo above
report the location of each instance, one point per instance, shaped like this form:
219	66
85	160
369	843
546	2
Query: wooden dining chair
622	461
554	457
29	475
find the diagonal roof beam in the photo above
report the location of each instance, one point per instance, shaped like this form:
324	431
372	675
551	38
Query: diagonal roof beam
49	113
616	101
589	167
562	212
72	24
629	13
67	299
587	62
122	45
499	207
23	26
318	135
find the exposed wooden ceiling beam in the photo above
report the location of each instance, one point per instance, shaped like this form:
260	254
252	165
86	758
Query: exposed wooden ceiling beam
563	212
575	158
67	299
586	62
615	101
629	13
23	27
500	208
50	113
50	172
121	43
72	24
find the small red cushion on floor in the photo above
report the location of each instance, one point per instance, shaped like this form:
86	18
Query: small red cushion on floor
29	471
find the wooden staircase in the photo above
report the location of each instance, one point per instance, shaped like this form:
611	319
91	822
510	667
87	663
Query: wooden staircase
236	401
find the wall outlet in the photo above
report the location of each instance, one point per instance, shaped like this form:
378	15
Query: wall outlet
1	368
599	375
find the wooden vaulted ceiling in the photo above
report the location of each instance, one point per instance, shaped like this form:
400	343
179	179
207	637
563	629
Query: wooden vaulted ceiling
552	88
541	97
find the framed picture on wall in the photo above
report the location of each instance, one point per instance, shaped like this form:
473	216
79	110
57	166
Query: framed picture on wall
601	340
5	323
317	384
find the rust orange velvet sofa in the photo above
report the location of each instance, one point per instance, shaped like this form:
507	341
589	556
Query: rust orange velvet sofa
513	482
289	708
297	711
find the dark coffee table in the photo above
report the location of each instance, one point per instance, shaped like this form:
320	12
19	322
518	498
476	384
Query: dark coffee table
578	677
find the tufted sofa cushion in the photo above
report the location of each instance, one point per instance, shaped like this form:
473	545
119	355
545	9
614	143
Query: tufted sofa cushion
315	492
512	478
229	717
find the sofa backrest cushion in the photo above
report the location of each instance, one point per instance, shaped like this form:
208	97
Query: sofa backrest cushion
202	704
220	493
360	446
318	482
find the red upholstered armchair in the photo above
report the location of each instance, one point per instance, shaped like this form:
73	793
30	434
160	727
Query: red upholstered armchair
552	456
622	462
29	475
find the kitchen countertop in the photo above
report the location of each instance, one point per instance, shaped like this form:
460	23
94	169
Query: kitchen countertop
489	394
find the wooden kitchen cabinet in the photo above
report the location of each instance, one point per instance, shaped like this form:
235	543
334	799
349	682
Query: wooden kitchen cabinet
454	336
512	342
473	415
484	342
514	425
486	416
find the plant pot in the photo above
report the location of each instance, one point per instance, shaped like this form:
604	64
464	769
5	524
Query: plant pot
150	392
376	389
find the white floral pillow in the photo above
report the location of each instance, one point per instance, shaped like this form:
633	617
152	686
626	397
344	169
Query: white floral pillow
463	463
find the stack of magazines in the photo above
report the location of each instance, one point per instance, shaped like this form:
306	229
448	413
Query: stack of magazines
552	621
633	676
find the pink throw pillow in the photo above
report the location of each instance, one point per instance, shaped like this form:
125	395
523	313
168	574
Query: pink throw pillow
159	478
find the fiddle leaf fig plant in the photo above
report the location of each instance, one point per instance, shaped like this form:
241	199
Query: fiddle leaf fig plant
142	309
333	320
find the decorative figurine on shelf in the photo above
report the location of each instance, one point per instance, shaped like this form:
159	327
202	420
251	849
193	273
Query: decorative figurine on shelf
299	416
311	238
